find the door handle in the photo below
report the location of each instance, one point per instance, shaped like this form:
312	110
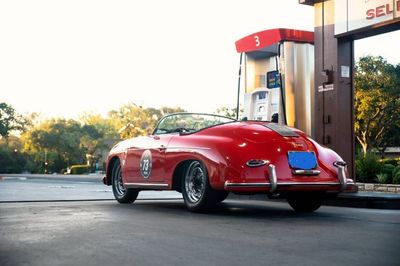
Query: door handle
162	148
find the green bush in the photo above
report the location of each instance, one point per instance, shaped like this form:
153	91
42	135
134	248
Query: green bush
80	169
396	170
12	162
382	178
387	169
367	168
396	175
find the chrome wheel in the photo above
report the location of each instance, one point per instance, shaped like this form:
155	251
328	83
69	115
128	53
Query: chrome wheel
121	193
120	190
195	182
197	192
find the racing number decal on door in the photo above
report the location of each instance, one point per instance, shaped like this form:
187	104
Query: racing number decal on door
145	164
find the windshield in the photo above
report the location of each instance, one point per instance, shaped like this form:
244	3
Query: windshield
189	123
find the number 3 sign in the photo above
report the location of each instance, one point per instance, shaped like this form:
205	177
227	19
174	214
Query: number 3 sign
257	40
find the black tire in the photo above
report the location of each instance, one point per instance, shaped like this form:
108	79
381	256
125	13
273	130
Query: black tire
121	193
221	196
305	201
197	193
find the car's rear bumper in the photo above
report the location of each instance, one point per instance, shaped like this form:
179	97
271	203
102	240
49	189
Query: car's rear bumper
274	185
281	186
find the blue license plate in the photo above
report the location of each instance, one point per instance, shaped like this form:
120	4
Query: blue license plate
304	160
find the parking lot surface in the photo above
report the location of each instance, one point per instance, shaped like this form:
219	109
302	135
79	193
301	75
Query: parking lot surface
61	222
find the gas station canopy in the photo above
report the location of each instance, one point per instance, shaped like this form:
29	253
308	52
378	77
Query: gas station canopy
266	42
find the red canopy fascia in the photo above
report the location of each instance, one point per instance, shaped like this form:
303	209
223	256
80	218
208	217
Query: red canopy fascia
259	40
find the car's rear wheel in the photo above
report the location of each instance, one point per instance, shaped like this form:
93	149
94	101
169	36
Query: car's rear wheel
121	193
305	201
221	196
196	190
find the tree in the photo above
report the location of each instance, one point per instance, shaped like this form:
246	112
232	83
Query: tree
228	112
377	103
99	136
12	159
62	143
10	120
104	126
132	120
57	142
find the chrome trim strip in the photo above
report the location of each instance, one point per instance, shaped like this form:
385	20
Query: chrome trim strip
272	177
264	185
187	148
168	148
146	185
306	172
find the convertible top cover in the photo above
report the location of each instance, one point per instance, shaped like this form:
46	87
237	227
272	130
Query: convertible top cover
282	130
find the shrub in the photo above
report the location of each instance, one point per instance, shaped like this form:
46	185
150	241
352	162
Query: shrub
382	178
12	162
367	168
395	170
396	175
387	169
80	169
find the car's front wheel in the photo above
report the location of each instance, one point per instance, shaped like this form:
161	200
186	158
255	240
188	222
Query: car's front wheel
305	201
121	193
197	192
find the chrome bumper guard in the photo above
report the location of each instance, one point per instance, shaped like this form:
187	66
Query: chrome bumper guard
273	180
342	177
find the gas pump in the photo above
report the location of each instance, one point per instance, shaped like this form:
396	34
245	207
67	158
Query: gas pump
261	104
279	77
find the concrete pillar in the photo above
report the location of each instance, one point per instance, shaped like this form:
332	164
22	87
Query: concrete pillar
334	96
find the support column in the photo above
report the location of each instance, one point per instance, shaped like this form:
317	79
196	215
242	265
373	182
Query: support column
334	96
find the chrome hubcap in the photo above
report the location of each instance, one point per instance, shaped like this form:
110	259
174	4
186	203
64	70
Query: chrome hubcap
119	186
195	182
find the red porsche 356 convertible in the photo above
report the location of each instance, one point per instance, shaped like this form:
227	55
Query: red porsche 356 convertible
207	156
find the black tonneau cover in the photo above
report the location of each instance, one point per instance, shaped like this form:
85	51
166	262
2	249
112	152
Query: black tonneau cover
281	130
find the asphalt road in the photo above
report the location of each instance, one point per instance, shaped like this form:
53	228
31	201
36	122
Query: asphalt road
162	232
19	189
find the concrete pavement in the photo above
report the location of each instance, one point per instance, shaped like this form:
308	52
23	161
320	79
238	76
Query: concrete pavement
163	232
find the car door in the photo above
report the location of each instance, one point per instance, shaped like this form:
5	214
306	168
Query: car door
145	160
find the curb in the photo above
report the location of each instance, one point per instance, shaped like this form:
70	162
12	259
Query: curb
367	200
78	178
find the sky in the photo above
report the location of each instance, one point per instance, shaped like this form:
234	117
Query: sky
64	58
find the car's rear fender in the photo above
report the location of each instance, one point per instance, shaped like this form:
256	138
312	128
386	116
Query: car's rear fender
175	171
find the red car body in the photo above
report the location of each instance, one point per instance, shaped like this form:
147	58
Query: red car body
239	156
